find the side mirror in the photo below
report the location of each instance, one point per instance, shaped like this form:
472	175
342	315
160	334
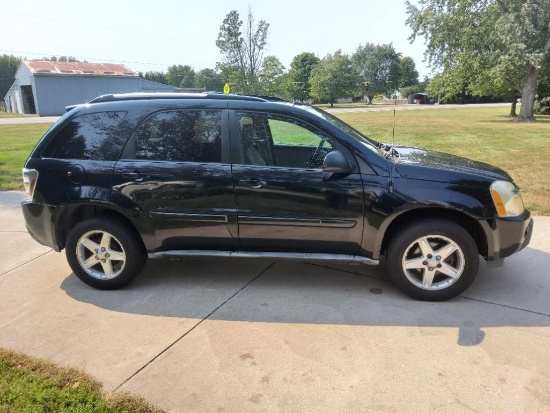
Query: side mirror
336	162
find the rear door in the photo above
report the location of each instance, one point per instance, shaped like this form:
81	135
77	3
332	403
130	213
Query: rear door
174	177
285	201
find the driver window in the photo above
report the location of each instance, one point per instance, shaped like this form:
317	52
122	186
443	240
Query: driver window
280	141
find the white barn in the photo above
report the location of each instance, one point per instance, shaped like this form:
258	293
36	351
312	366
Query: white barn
45	88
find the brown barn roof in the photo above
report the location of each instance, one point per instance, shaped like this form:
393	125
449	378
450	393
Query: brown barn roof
78	68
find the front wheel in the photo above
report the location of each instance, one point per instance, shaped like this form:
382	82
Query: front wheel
433	260
105	253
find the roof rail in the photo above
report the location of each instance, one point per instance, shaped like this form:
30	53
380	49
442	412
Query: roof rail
175	95
268	98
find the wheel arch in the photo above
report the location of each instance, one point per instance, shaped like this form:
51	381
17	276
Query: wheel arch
391	226
71	215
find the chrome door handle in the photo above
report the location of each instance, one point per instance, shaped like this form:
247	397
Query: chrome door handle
254	183
136	176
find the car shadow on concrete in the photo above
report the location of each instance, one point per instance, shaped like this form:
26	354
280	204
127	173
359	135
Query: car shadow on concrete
312	293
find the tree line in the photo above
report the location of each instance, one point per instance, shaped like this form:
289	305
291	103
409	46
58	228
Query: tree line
372	70
480	50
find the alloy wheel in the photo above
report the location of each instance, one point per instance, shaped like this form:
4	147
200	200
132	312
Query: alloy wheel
100	255
433	262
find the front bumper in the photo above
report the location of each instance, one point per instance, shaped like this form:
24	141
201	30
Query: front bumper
506	236
39	219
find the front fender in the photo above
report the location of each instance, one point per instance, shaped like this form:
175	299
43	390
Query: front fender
412	199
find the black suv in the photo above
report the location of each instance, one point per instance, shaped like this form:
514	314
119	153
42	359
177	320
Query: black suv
135	175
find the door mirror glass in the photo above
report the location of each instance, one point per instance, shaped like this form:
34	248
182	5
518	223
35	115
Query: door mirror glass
335	161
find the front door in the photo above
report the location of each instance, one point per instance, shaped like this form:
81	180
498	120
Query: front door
285	201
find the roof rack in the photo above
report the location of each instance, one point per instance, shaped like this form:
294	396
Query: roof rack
178	95
267	98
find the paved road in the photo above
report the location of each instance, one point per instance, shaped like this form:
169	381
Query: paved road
28	119
261	336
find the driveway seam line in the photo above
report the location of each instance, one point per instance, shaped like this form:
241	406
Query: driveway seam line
504	305
25	263
192	328
348	272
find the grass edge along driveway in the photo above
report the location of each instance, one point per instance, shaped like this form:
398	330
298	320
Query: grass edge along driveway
30	384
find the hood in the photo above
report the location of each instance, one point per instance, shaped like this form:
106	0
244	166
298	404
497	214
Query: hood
438	166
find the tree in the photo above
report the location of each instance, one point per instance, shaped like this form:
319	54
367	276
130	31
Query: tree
8	66
542	104
334	77
236	79
159	77
242	52
209	79
298	82
463	85
60	59
496	44
67	59
408	73
181	76
271	76
378	68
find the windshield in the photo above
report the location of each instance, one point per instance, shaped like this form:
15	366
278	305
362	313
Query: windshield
358	136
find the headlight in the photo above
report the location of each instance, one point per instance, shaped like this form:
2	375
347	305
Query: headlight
507	199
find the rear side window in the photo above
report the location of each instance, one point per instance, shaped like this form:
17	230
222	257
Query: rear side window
180	136
86	137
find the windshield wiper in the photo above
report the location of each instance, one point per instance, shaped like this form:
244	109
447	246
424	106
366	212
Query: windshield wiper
389	152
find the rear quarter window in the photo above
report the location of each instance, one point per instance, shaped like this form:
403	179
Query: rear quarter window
86	137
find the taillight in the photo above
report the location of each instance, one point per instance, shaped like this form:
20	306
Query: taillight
30	176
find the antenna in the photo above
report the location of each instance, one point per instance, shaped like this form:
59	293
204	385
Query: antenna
394	110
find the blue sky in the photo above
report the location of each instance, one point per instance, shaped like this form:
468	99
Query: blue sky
147	35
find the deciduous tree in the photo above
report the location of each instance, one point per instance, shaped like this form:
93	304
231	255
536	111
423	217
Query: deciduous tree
495	44
208	79
242	51
408	75
542	103
181	76
333	78
8	66
378	69
60	59
299	75
271	76
159	77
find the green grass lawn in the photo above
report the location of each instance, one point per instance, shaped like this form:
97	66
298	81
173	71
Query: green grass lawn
32	385
355	105
484	134
16	143
13	115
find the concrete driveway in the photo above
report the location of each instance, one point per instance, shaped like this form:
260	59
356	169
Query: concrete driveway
261	336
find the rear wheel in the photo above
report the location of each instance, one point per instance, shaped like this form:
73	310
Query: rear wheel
105	253
433	260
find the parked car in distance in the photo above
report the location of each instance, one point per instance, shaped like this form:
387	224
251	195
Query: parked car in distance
418	98
131	176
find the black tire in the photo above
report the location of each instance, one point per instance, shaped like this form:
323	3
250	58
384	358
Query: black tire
424	278
107	270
